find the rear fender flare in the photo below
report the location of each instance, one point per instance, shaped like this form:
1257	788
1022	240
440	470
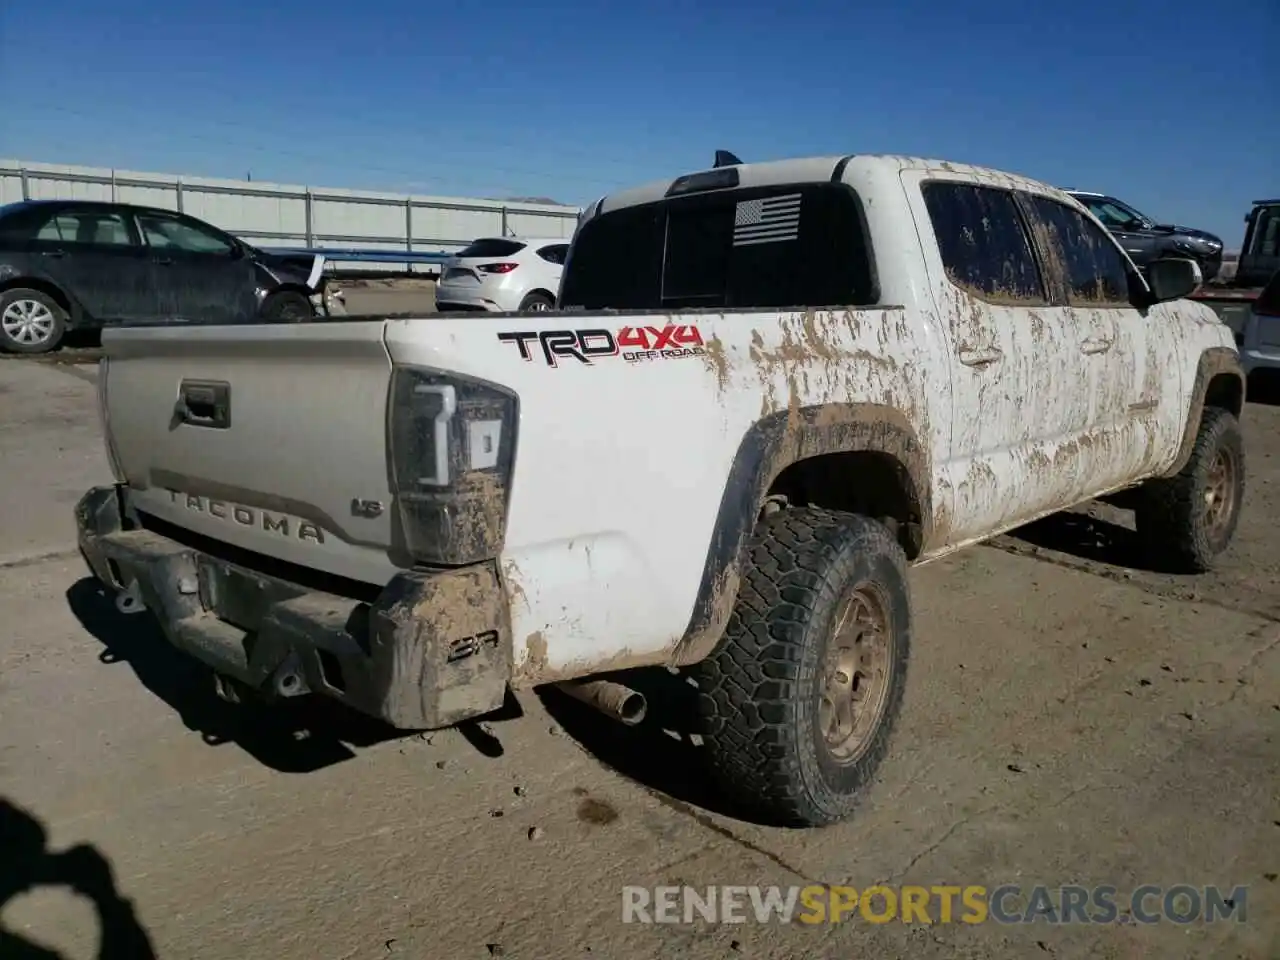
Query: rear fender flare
771	445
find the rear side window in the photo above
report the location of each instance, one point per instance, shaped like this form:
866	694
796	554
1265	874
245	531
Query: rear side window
491	247
752	248
554	253
91	227
1094	269
984	243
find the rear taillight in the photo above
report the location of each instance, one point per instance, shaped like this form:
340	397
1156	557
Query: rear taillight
452	451
497	267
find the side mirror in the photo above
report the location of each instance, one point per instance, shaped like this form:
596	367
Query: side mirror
1173	279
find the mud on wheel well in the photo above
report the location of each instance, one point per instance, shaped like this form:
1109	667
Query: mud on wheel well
31	283
866	482
1226	392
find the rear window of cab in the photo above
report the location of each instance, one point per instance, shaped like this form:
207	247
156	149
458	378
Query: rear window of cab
773	247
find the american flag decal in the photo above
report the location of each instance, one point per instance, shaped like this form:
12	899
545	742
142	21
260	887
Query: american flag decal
771	220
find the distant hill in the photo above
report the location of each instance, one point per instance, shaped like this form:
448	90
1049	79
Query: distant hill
547	200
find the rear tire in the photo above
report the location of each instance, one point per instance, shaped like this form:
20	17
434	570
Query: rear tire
537	303
289	306
30	321
800	697
1187	521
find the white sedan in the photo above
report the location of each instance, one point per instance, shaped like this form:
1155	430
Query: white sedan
504	274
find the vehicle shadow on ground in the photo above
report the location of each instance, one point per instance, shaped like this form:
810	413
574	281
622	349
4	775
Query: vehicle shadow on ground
661	753
1088	538
291	736
27	863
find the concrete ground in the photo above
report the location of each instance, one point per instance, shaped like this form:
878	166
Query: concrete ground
1070	720
389	296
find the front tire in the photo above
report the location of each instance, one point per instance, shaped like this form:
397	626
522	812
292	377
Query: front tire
30	321
288	306
800	697
1187	521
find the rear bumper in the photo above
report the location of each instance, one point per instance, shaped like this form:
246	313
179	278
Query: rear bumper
433	649
454	304
491	297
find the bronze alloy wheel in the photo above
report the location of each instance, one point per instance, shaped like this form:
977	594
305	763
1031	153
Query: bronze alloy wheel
855	680
1220	493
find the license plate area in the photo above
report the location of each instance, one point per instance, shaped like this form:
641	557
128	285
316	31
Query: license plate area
238	596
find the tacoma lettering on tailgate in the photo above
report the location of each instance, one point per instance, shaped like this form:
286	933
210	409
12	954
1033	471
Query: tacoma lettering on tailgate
280	524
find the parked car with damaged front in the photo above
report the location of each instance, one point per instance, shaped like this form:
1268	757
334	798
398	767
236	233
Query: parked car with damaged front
84	265
679	467
1146	240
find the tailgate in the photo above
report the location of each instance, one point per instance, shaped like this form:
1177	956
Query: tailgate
270	437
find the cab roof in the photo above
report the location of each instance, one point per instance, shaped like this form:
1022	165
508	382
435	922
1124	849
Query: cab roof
823	169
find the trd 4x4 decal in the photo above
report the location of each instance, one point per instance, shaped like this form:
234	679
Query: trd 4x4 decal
634	344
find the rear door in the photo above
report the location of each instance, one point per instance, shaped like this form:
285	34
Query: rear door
94	255
201	274
1019	408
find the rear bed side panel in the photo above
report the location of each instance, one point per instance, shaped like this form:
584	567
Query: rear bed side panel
621	464
299	473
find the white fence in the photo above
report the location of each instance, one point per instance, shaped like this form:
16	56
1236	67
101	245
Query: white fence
279	215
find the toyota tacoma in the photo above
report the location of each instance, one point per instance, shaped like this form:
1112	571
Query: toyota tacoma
766	391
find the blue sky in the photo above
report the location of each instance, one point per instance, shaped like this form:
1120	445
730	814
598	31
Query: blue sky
1172	105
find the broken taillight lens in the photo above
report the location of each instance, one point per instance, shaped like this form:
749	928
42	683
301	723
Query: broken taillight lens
452	452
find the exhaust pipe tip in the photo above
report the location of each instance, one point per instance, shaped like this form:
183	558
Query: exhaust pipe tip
623	704
633	708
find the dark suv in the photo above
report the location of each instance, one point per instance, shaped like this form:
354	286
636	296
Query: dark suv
1145	240
81	264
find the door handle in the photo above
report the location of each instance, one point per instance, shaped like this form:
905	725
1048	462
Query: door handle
1095	345
164	262
56	254
980	356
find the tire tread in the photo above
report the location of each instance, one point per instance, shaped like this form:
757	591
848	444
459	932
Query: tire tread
749	683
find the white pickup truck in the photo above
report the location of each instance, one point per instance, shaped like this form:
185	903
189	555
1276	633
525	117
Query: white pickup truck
767	390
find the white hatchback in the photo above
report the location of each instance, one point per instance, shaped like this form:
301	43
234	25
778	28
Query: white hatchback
505	274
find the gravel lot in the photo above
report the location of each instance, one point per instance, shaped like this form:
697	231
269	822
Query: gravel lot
1069	720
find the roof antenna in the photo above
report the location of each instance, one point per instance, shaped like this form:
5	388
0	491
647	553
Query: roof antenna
726	159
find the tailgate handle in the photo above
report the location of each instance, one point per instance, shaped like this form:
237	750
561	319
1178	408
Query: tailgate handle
203	403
